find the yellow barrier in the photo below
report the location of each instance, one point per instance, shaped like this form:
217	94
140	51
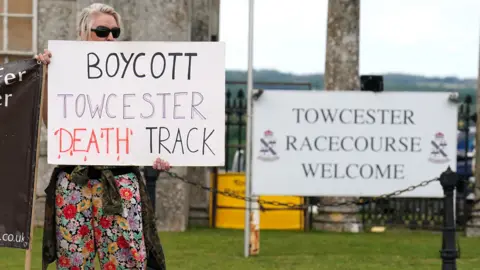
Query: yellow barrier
229	217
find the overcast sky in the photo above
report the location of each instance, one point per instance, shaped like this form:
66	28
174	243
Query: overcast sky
424	37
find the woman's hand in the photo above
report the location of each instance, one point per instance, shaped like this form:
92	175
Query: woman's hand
44	57
161	165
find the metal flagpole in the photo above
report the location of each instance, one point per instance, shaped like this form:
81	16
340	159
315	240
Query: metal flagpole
248	165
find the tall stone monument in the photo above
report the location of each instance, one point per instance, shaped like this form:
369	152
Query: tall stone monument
341	73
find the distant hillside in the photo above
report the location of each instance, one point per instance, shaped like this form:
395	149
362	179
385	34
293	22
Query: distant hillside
392	81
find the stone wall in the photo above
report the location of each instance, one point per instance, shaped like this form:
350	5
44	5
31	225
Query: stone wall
56	20
200	20
204	17
144	20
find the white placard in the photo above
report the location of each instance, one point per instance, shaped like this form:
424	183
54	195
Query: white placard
127	103
351	143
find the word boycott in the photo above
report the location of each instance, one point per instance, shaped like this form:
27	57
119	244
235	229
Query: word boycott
117	64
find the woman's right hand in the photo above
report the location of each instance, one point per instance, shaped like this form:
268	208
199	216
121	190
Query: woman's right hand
44	57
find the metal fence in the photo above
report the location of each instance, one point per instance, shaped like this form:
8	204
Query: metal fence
412	213
235	130
428	213
235	123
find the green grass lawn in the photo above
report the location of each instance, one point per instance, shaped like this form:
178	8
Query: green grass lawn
223	250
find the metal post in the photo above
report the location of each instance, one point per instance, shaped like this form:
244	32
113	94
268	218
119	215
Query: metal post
248	152
151	176
466	129
462	188
214	198
449	253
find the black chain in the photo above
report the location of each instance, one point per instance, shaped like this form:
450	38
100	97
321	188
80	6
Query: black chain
302	206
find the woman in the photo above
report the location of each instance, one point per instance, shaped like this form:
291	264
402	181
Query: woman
102	210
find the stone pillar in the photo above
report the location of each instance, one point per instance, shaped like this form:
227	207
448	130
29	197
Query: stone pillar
343	44
473	226
51	15
200	20
205	20
166	20
143	20
172	202
161	20
341	73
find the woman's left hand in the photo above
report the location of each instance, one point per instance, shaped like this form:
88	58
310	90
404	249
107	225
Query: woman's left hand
161	165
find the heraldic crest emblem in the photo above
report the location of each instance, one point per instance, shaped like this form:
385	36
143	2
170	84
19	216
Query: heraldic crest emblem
268	144
437	154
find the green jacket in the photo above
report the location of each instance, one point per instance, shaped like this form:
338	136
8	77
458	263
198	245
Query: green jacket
111	199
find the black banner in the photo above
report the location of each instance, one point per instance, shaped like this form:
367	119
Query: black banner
20	96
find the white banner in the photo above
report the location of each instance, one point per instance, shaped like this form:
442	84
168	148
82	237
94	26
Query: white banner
351	143
127	103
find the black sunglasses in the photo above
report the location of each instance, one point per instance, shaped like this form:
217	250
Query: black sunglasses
103	32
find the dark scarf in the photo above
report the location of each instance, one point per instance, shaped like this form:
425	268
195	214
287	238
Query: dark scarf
112	204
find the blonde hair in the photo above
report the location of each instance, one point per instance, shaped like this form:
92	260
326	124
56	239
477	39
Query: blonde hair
85	19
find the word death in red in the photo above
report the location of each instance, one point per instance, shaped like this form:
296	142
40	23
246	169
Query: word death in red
83	141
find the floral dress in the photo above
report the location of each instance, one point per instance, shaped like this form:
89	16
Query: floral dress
82	228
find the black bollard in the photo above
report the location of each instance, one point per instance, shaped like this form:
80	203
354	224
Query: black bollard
449	253
151	176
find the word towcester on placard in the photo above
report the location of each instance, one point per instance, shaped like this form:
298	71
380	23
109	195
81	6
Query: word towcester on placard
127	103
